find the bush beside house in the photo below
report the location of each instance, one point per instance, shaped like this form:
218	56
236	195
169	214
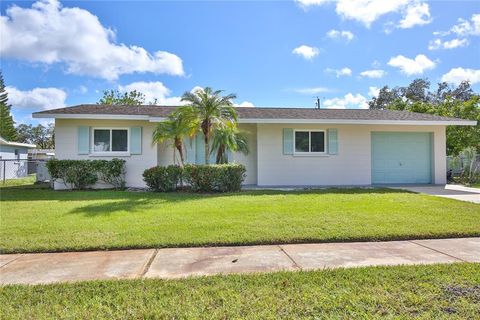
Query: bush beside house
82	174
200	178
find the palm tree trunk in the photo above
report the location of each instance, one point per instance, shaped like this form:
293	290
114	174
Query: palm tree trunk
207	148
179	146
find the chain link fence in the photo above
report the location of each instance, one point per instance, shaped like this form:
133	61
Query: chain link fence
22	168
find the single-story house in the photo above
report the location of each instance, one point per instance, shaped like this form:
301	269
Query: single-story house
288	146
13	159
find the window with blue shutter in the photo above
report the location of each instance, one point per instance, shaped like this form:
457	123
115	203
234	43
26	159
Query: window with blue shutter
136	140
83	140
287	141
332	141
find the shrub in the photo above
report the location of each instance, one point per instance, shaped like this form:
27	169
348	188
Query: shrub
163	179
210	178
111	172
80	174
467	160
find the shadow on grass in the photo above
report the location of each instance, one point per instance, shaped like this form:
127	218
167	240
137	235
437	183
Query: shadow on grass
129	202
41	193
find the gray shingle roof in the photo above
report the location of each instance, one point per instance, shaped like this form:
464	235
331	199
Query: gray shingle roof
253	113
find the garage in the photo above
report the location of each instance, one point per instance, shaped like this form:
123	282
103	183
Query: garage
401	157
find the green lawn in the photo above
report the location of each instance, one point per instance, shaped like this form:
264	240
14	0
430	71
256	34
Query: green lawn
427	292
36	220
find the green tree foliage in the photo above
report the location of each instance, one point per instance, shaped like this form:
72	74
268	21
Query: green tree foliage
459	102
115	97
228	138
173	131
40	135
209	110
7	125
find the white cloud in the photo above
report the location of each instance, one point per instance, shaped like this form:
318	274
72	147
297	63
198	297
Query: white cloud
373	91
306	52
457	75
340	72
467	27
313	90
337	34
375	73
412	66
36	99
413	12
307	3
349	101
451	44
418	13
245	104
49	33
154	90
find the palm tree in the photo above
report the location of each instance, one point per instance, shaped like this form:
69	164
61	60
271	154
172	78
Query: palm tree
174	129
211	109
228	138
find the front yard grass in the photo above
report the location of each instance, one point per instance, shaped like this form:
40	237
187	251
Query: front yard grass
402	292
43	220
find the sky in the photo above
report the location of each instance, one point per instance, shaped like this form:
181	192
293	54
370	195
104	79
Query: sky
270	53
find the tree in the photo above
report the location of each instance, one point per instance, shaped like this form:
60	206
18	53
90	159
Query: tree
43	137
7	125
175	129
419	91
458	102
210	110
228	138
115	97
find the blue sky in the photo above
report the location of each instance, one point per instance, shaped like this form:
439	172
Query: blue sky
270	53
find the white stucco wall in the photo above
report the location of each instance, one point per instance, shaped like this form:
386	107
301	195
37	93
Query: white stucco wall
66	131
352	165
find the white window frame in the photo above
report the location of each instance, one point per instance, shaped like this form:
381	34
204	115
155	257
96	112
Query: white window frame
309	152
109	153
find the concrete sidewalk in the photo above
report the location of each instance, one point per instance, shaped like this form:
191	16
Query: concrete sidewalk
451	191
183	262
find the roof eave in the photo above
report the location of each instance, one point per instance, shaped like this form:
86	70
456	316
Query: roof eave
263	120
364	122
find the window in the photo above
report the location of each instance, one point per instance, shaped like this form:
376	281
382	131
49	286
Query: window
110	140
17	154
309	141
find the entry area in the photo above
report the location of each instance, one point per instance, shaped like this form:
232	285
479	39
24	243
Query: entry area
401	157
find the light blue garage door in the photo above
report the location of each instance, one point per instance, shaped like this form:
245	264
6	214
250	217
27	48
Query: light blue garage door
401	157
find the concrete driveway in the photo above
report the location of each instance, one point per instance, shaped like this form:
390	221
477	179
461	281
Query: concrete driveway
446	191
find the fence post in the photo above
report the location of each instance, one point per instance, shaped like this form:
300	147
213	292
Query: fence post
4	165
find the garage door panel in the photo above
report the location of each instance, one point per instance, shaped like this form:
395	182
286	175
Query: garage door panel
401	157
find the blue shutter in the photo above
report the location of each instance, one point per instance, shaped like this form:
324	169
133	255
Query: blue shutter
200	149
229	156
287	141
83	140
136	140
332	141
190	154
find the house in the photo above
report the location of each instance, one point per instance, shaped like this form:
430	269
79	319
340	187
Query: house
13	159
289	146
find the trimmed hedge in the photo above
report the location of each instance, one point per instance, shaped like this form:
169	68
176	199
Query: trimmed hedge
211	178
200	178
81	174
163	179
